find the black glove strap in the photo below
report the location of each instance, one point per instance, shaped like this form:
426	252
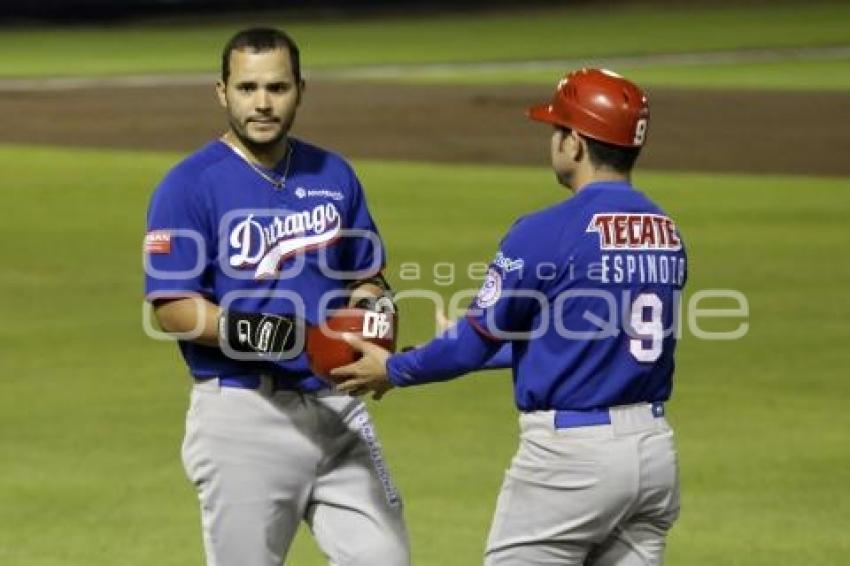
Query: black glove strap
271	335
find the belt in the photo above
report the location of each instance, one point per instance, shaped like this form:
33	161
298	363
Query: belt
261	381
595	417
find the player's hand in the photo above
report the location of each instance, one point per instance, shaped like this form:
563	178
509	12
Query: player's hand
369	373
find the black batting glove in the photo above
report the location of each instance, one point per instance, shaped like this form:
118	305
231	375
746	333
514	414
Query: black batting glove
267	336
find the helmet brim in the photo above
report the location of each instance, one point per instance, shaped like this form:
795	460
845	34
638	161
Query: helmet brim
543	113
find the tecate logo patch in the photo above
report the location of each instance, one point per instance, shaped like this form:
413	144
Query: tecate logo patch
618	231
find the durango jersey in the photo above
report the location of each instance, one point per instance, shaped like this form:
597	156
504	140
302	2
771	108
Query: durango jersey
219	229
587	291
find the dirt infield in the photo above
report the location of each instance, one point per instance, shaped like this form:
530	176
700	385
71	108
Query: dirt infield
777	132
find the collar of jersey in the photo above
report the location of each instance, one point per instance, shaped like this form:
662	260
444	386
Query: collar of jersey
597	185
279	166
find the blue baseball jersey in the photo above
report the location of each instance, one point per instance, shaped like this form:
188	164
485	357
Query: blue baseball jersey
587	294
219	229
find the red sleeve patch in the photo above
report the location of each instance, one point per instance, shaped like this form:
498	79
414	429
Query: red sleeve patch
158	242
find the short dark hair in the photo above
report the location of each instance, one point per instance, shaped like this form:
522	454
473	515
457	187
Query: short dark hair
605	155
259	40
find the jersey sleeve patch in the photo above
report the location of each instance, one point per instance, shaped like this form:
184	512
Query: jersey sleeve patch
158	242
491	290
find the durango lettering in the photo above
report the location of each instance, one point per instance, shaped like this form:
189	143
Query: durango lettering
252	240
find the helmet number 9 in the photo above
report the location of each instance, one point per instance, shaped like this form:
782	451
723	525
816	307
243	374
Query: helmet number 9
640	132
646	346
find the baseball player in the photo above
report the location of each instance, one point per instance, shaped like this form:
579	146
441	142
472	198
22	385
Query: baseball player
585	294
249	239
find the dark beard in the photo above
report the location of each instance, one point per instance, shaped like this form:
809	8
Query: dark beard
258	148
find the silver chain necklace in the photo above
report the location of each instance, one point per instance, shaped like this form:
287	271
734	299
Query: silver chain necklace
279	184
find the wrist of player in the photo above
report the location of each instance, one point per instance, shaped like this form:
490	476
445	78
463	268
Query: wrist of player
394	371
247	335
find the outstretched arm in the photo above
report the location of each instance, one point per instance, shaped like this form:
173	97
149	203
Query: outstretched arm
443	358
503	358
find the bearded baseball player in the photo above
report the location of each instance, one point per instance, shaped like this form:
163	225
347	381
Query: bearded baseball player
250	239
585	294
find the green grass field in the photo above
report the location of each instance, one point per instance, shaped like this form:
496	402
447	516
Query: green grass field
91	410
551	34
779	75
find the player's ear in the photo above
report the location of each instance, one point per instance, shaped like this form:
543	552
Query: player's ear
559	139
221	91
576	146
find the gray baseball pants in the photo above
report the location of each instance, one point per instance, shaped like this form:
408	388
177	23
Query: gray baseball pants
263	461
601	495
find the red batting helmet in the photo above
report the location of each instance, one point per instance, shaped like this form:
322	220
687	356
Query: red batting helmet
327	350
599	104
